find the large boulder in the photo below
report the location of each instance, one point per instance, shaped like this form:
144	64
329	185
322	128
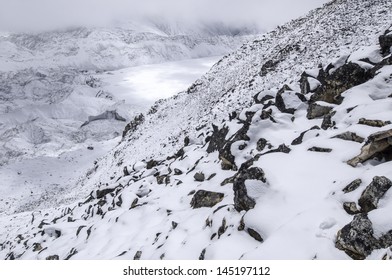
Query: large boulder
356	239
373	193
378	144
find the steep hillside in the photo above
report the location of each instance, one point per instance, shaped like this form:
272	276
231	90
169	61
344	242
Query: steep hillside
281	151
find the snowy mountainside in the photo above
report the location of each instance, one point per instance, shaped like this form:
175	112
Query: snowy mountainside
281	151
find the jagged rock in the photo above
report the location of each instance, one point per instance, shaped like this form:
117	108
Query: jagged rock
378	144
351	208
267	114
304	83
225	155
286	92
268	66
199	177
53	258
163	179
385	41
300	138
356	239
202	255
374	123
373	193
261	100
320	150
352	186
350	136
255	235
174	225
281	149
101	193
211	176
241	199
261	144
327	121
204	198
37	247
151	164
386	240
317	111
217	140
342	79
177	171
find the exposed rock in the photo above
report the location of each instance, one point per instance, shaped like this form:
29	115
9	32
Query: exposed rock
101	193
386	240
211	176
320	150
352	186
137	256
356	239
299	139
268	66
374	123
241	199
327	121
261	100
304	83
204	198
217	140
378	144
163	179
177	171
202	255
373	193
255	235
281	149
53	257
199	177
385	41
317	111
342	79
261	144
151	164
350	136
351	208
279	99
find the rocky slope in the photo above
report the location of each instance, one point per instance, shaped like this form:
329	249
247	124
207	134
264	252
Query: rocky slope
281	151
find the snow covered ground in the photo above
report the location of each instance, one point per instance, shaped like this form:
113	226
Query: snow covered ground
49	175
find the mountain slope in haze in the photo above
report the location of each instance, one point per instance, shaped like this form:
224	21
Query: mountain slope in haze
281	151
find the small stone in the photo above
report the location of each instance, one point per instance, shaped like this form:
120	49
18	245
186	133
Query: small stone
53	257
177	171
138	255
199	177
255	235
320	150
352	186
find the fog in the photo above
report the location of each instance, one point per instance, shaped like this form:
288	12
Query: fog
41	15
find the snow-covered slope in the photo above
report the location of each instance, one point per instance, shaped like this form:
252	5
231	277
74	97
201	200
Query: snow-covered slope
281	151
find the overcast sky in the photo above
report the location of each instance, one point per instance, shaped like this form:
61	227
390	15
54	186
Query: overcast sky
37	15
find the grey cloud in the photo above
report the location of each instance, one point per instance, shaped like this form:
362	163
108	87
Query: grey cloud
36	15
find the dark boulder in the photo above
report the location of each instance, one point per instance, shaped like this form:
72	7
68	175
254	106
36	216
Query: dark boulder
218	139
204	198
356	239
385	41
255	234
342	79
241	199
373	193
317	111
199	177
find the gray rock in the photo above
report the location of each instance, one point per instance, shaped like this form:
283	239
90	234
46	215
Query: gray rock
199	177
241	199
356	239
320	150
299	139
378	144
317	111
385	41
351	208
373	193
327	121
204	198
255	234
52	257
374	123
218	139
350	136
352	186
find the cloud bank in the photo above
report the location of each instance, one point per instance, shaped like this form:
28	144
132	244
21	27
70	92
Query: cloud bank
40	15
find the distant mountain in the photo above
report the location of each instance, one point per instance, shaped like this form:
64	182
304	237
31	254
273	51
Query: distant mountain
281	151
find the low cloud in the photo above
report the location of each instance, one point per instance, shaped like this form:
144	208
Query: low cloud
40	15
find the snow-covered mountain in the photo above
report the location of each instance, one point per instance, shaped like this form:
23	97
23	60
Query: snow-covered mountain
281	151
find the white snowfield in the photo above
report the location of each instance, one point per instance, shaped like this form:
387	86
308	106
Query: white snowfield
266	182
